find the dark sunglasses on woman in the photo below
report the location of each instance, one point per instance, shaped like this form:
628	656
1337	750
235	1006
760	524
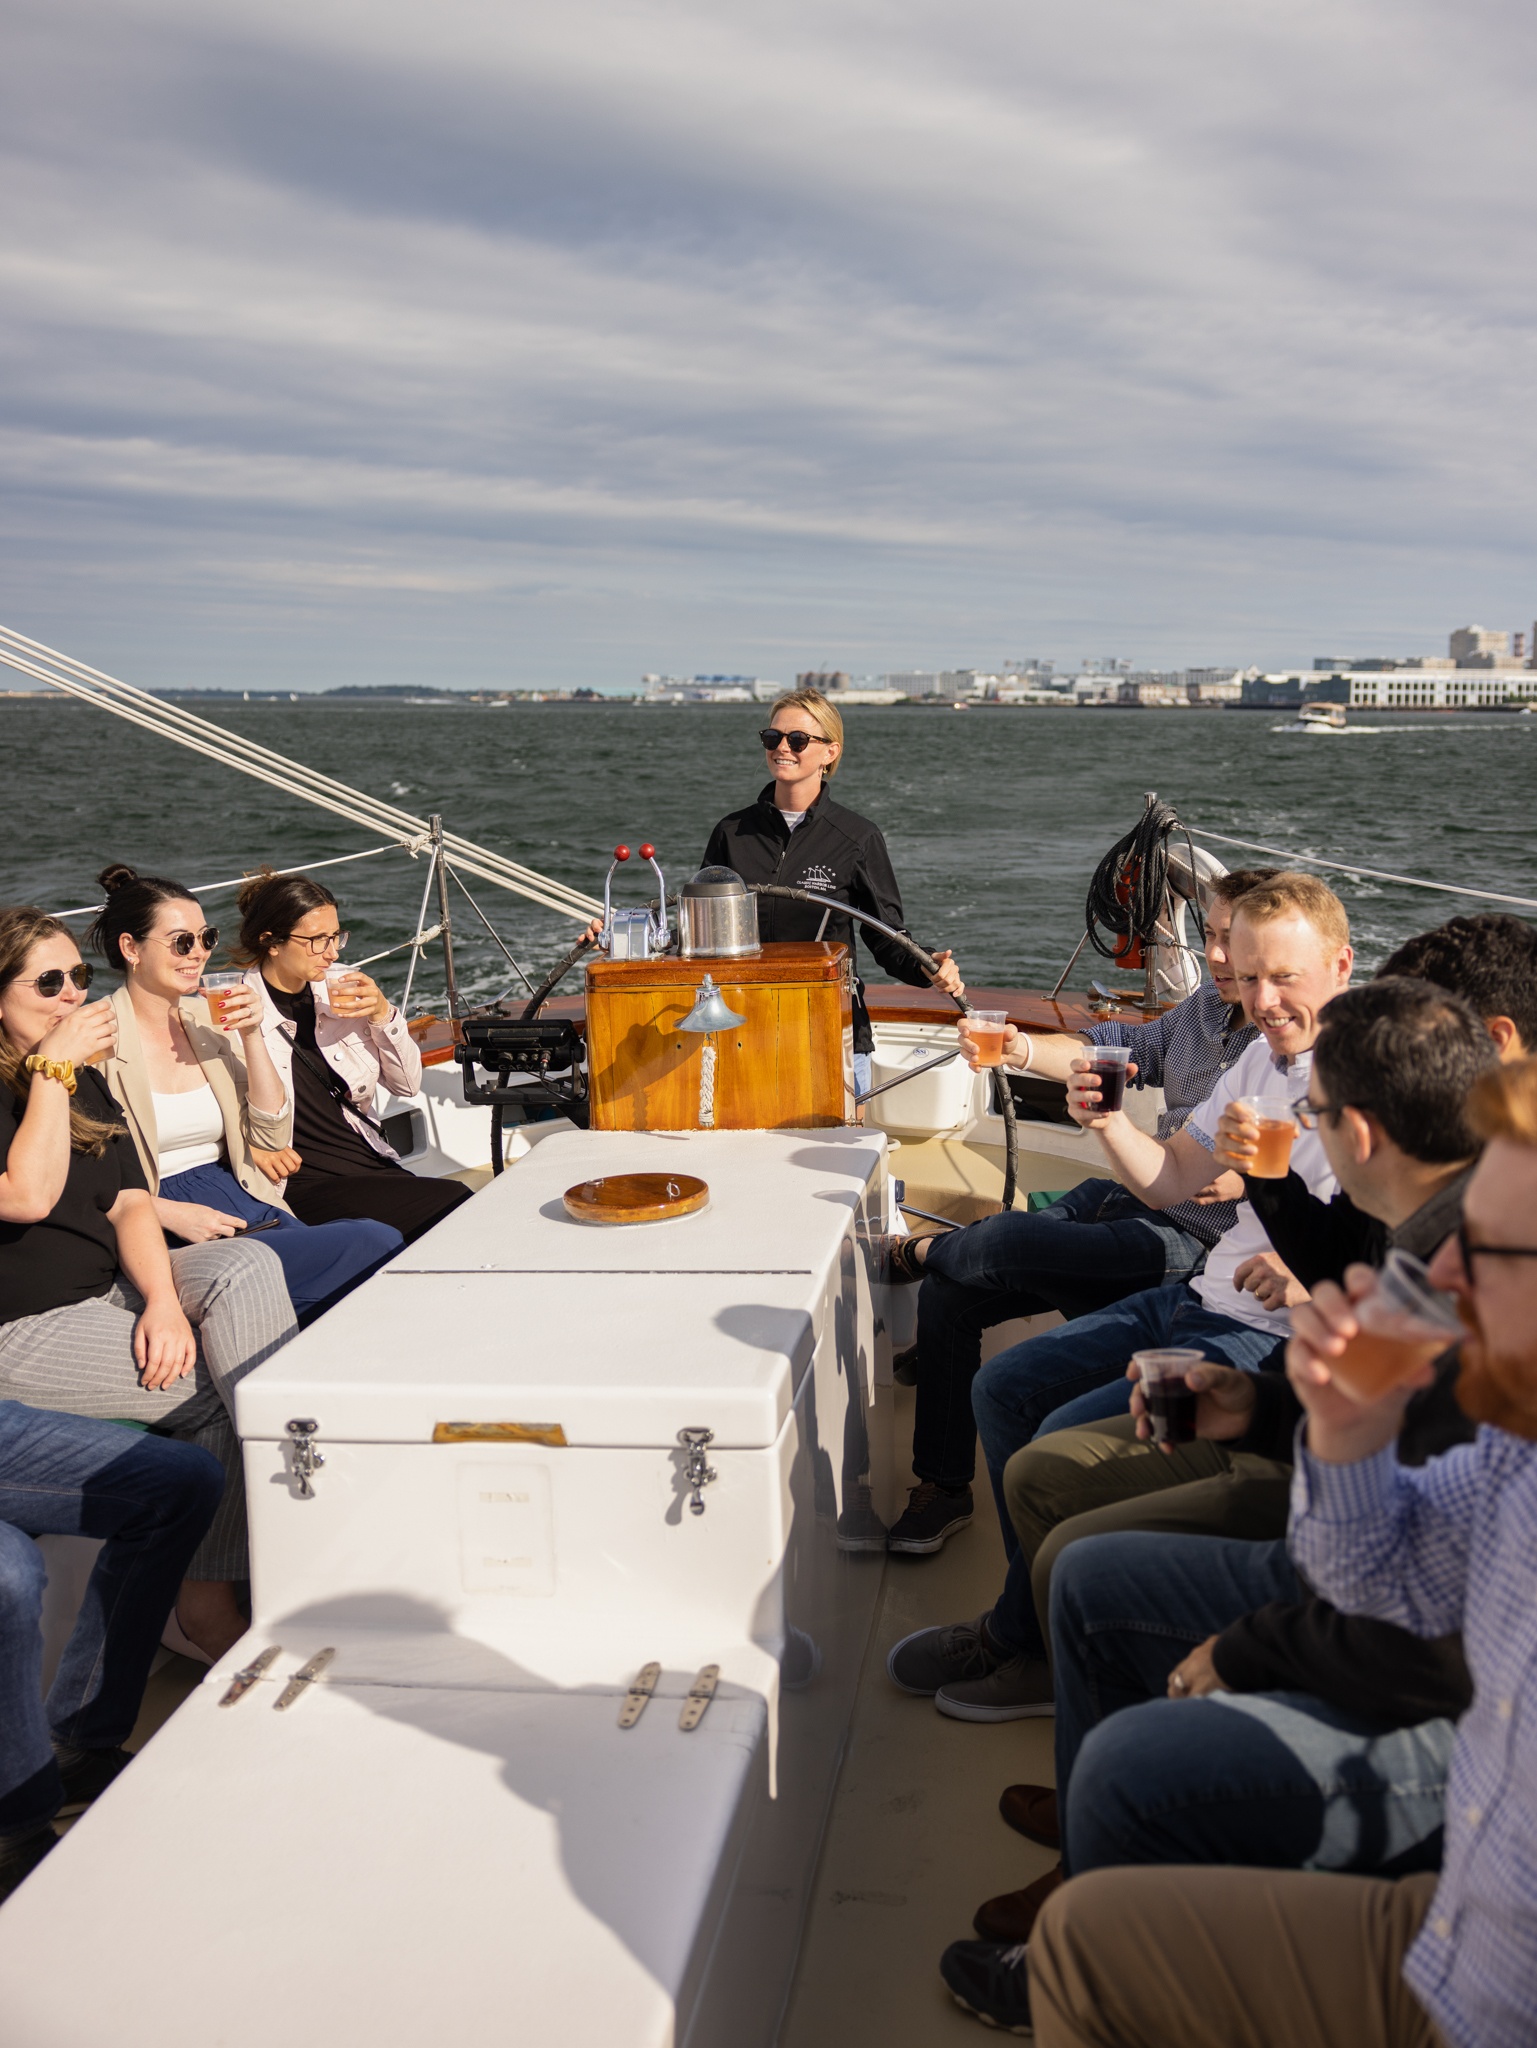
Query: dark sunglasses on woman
797	742
182	942
51	984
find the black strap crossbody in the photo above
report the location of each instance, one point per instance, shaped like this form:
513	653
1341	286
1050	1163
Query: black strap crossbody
331	1081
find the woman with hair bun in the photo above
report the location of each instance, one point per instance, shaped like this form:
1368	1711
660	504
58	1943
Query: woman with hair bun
333	1039
203	1101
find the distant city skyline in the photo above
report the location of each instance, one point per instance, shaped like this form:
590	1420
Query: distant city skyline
495	347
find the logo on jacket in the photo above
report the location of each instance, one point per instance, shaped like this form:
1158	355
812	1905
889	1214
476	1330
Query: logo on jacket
819	878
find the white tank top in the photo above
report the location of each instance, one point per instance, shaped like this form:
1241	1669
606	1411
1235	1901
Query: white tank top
190	1130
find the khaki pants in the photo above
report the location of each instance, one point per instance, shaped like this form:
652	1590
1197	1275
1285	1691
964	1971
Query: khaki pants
1213	1958
1099	1479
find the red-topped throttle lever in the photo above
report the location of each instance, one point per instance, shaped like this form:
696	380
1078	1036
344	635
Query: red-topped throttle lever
623	852
648	851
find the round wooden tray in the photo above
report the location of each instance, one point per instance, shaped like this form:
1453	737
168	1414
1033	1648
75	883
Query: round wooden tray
636	1197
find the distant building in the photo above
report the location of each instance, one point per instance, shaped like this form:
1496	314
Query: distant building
706	689
1476	647
828	680
951	683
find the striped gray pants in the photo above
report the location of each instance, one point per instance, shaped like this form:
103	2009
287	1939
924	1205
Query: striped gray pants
79	1359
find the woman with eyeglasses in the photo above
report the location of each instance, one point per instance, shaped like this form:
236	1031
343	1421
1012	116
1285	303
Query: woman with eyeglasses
97	1317
795	835
201	1100
333	1038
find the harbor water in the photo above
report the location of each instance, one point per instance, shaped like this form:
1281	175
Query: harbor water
995	817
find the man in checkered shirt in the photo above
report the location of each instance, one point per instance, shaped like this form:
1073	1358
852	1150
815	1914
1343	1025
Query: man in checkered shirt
1203	1958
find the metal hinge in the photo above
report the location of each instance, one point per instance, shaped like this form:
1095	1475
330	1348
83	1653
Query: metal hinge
700	1694
698	1472
307	1460
635	1699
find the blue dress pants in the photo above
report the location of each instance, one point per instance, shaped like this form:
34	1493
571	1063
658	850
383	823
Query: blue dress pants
1094	1246
150	1500
321	1261
1279	1779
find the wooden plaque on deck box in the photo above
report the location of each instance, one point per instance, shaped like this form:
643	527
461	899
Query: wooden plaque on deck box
786	1067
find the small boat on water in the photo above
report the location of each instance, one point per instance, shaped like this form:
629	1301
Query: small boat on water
1322	718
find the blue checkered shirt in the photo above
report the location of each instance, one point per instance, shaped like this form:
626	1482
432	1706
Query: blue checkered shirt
1437	1547
1183	1052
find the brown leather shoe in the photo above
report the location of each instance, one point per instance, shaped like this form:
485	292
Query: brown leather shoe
1032	1811
1011	1916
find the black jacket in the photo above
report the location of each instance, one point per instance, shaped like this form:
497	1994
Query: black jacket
1355	1663
833	851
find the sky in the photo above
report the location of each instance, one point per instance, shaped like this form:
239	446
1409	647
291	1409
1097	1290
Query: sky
492	344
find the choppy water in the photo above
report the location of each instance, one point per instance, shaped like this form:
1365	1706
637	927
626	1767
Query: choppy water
995	818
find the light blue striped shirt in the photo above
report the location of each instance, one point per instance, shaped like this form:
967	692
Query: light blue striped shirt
1453	1545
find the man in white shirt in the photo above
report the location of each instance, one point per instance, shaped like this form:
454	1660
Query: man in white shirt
1291	951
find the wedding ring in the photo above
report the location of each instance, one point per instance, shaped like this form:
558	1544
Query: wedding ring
1177	1684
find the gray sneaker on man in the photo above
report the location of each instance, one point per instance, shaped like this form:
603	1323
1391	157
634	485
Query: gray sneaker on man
931	1657
1016	1690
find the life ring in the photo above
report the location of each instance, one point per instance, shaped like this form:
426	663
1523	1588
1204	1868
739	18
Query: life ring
1176	968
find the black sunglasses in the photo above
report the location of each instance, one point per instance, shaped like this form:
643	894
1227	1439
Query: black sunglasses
51	984
1471	1251
797	742
182	942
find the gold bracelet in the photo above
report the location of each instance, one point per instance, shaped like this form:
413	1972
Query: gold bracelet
53	1070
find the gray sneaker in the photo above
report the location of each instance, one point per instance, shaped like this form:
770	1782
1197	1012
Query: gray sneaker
921	1663
1017	1690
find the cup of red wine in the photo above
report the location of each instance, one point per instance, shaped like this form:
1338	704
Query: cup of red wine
1170	1402
1107	1065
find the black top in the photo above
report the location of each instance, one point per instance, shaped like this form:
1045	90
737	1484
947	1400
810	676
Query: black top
835	852
72	1254
323	1138
1350	1661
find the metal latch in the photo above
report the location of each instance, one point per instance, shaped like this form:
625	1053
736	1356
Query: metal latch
640	1691
700	1694
307	1460
698	1472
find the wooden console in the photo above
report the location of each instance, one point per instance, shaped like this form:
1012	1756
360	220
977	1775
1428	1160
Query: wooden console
787	1067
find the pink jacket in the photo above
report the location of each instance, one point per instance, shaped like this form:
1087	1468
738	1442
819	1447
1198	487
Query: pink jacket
362	1053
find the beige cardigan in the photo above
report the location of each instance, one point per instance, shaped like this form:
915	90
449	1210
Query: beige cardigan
220	1056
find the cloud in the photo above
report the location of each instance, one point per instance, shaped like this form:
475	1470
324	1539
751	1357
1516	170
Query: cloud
639	335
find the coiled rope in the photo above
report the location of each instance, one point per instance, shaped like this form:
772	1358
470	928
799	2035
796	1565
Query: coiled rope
1129	889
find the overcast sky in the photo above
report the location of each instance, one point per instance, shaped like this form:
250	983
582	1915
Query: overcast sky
493	343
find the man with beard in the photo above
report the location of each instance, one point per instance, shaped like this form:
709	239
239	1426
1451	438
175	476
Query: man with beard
1145	1958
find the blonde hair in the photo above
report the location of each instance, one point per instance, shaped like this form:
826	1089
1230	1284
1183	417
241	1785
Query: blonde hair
825	714
1503	1103
1290	894
20	930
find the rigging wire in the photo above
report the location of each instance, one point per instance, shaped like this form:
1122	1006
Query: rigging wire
239	881
1310	860
490	927
219	743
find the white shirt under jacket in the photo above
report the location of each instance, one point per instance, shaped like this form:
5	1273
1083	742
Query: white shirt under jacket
1257	1071
363	1054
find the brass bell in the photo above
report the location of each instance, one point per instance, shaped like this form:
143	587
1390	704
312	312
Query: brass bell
710	1012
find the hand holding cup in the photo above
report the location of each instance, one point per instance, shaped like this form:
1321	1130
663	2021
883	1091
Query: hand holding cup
351	993
83	1036
1224	1403
1097	1089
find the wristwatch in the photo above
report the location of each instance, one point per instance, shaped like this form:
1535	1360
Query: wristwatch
53	1070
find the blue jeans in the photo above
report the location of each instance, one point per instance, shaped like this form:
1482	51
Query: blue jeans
321	1261
1014	1394
1090	1249
1273	1779
150	1500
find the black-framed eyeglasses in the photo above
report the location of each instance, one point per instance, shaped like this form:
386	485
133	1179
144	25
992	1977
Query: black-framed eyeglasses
797	742
1307	1113
51	984
183	943
1471	1251
318	945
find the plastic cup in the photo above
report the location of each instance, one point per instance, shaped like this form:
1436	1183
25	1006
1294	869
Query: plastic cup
219	988
1108	1064
1170	1403
987	1029
1277	1134
1405	1323
336	978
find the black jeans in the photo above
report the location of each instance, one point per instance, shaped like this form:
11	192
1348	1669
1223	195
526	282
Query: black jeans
1093	1248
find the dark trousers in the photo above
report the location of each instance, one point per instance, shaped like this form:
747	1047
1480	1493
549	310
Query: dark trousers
1279	1779
321	1262
150	1500
409	1202
1094	1247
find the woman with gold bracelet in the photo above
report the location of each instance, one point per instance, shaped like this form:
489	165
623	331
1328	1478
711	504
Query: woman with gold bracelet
96	1316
